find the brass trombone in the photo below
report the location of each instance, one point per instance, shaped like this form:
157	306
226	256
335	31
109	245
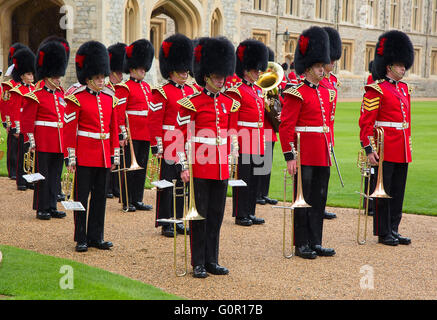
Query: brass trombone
297	202
365	168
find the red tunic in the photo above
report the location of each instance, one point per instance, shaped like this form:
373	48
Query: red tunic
15	104
232	81
387	104
207	119
250	117
43	117
5	97
306	110
134	99
91	127
163	116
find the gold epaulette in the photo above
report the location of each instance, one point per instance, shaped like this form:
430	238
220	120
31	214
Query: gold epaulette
32	95
38	85
161	90
16	89
332	95
371	104
123	84
294	92
374	86
186	102
410	87
235	89
8	83
73	99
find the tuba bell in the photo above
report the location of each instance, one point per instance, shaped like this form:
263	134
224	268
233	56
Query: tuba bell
269	81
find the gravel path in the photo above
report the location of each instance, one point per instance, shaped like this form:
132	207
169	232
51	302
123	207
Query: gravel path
253	255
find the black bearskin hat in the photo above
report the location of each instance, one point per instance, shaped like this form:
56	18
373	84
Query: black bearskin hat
51	60
139	55
175	54
14	48
251	55
117	53
213	56
92	59
392	47
61	40
312	47
370	66
334	43
24	61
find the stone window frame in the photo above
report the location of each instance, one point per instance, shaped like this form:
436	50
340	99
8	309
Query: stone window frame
292	7
321	10
395	14
216	27
290	45
159	25
433	70
416	15
434	17
262	35
347	11
260	5
416	68
131	18
369	54
346	63
372	18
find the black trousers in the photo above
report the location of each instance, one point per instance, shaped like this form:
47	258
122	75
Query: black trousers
11	159
308	222
264	179
136	179
164	197
113	187
388	213
46	191
90	180
372	181
21	150
244	198
210	198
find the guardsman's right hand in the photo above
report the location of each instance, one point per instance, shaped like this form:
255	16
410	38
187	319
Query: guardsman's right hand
373	158
185	176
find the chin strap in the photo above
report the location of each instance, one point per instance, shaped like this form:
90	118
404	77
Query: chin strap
311	71
95	87
397	74
211	84
176	74
49	80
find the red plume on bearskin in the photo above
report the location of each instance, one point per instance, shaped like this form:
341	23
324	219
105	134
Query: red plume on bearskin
240	52
380	50
92	59
79	60
139	54
198	53
129	50
41	58
16	46
303	44
52	58
166	48
24	61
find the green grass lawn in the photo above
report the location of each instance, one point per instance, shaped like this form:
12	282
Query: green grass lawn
421	183
27	275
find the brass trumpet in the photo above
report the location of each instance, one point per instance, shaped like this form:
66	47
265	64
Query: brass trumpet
29	162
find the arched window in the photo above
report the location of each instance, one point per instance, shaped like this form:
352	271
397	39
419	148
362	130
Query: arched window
130	25
416	14
394	13
260	5
322	9
216	23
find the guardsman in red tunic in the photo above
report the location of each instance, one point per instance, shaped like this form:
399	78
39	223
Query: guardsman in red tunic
232	81
270	139
205	119
306	110
116	59
12	141
331	82
23	72
91	143
387	104
175	63
252	58
42	126
134	97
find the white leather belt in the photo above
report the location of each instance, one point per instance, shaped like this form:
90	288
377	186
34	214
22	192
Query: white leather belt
250	124
52	124
320	129
210	141
397	125
166	127
138	113
94	135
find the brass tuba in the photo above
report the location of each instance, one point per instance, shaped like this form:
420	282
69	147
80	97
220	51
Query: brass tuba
269	82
